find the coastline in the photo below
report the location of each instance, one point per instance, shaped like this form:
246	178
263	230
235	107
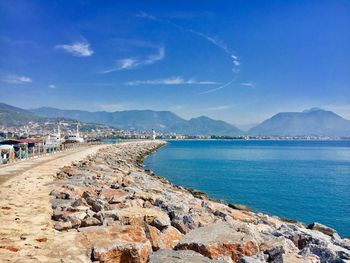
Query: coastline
120	212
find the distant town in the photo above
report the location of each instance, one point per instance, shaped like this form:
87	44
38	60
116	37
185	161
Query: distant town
26	135
99	132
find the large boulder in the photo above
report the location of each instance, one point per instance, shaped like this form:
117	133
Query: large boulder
167	238
219	241
116	243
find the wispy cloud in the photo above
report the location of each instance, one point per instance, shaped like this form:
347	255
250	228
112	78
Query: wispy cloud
221	45
213	40
52	86
77	49
247	84
126	63
219	108
14	79
177	107
218	88
171	81
131	63
143	14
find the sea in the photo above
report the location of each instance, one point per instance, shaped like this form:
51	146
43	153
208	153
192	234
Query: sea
308	181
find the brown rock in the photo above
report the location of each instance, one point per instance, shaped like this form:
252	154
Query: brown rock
90	221
240	207
322	228
243	216
9	248
41	239
169	237
153	236
113	196
76	222
117	243
122	253
139	215
198	194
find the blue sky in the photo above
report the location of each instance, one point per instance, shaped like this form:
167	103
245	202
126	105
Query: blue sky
239	61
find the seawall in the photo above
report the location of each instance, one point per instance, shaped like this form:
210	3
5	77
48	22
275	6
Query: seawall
119	212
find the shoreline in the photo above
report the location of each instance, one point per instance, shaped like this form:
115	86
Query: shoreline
217	198
109	194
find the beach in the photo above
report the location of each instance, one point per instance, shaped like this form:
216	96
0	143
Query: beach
26	228
106	208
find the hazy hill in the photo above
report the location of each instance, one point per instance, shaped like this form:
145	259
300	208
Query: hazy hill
309	122
164	121
13	116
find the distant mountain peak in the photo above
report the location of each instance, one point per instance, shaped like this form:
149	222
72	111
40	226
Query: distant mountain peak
315	121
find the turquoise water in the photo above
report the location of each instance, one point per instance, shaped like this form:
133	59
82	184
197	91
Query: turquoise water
304	180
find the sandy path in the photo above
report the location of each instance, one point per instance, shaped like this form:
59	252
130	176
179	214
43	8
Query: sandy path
26	229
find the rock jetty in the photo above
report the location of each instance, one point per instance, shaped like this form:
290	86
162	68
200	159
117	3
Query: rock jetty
123	213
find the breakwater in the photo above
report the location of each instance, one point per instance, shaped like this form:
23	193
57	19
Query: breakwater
122	213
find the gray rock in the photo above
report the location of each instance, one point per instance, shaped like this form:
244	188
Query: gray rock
60	226
54	192
259	258
219	240
180	256
161	221
325	254
183	222
275	254
55	203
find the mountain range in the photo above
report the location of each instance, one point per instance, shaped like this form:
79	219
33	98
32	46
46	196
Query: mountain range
13	116
315	121
163	121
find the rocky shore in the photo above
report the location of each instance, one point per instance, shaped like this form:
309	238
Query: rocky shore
122	213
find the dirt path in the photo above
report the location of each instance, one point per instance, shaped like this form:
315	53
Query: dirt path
26	229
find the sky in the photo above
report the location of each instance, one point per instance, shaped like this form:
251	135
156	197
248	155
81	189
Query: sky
238	61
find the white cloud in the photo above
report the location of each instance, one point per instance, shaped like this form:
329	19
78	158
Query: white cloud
14	79
221	107
77	49
247	84
52	86
130	63
170	81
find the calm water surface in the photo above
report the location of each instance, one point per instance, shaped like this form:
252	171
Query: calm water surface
304	180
